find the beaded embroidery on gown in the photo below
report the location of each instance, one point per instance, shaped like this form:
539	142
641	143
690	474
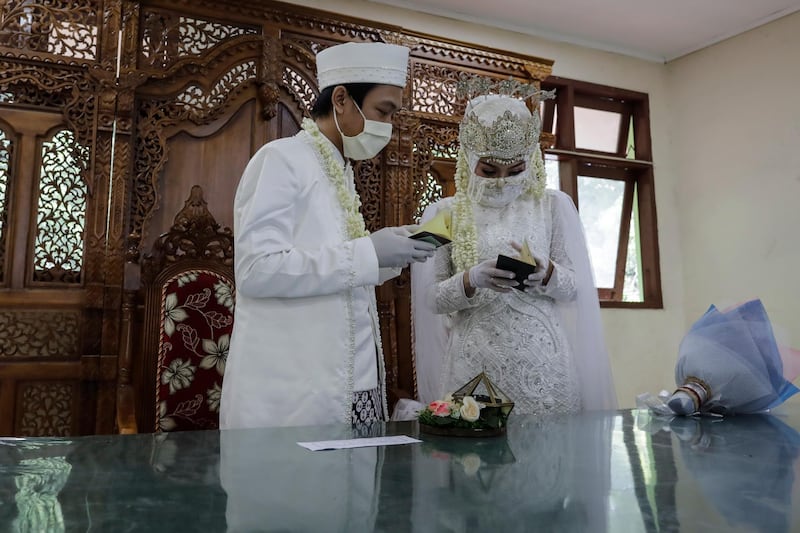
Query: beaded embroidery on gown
515	337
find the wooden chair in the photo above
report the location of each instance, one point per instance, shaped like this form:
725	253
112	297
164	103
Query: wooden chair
177	326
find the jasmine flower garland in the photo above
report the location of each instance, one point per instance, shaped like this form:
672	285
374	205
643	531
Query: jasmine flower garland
348	199
465	248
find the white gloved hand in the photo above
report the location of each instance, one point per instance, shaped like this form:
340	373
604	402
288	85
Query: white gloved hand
542	266
395	250
486	275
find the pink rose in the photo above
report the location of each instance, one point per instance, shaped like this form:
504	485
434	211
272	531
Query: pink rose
439	408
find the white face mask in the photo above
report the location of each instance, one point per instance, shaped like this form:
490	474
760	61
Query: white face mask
497	192
367	144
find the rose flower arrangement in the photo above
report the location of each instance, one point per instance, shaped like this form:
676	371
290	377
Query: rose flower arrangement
464	413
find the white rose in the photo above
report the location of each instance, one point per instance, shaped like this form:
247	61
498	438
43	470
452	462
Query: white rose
470	409
471	463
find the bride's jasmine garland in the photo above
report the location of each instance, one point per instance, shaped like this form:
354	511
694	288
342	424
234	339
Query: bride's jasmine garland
348	199
465	241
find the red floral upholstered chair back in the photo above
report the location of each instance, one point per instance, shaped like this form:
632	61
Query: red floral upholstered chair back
187	296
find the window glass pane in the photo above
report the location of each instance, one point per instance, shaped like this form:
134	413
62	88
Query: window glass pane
630	150
5	158
632	290
61	213
547	124
600	203
552	166
596	130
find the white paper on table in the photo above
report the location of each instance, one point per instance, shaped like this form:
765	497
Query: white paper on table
9	441
357	443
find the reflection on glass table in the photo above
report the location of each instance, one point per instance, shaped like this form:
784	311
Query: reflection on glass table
619	471
721	474
540	477
750	484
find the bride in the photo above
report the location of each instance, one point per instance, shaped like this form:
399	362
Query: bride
541	340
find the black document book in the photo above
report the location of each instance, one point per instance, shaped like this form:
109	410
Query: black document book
437	230
521	269
427	236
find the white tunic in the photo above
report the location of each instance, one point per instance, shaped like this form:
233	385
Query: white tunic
305	326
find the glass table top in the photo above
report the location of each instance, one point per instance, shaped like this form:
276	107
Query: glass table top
618	472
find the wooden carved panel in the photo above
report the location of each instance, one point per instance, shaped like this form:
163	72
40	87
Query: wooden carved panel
434	144
52	88
302	91
433	90
46	408
208	81
66	28
39	334
298	74
217	174
370	186
170	36
61	210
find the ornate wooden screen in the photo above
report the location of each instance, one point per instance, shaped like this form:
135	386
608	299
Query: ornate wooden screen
58	306
153	97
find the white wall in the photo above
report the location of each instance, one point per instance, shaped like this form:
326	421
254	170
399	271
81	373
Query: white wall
642	343
736	146
735	126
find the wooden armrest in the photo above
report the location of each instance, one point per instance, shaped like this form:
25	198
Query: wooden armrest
126	411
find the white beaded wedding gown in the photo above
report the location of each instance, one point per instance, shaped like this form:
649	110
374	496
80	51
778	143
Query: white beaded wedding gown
515	337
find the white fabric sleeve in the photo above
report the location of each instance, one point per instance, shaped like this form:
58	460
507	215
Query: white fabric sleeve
267	262
561	285
447	294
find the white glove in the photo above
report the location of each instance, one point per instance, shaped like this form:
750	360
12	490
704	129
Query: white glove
486	275
394	249
542	265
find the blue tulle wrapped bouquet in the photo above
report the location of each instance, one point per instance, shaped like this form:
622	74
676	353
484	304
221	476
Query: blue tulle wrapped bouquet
729	363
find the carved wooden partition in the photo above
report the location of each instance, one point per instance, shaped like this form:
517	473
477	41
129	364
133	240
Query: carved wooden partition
143	100
59	307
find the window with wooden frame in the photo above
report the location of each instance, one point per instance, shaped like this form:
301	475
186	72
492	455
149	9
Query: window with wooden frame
602	158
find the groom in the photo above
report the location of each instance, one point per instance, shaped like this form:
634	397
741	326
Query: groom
306	347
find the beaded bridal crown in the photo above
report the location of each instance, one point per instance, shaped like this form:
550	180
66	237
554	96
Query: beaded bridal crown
510	136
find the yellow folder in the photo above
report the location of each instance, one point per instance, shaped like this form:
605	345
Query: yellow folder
436	230
526	255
